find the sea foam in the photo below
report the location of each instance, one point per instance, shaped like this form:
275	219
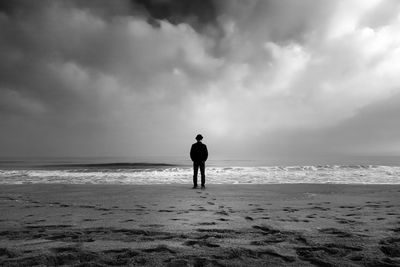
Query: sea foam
170	174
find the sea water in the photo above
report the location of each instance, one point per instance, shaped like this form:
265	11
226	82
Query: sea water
179	171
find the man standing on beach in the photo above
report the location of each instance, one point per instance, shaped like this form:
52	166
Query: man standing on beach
199	155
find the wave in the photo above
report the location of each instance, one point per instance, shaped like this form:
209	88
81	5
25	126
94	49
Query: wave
162	173
113	165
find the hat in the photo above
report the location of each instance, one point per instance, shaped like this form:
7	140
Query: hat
199	137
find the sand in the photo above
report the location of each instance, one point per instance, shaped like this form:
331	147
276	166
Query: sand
224	225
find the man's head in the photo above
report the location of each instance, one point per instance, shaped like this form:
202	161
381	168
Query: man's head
199	137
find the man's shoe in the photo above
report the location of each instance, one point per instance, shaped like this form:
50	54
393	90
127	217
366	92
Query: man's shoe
203	187
195	187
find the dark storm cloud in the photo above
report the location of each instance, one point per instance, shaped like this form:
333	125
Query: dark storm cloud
13	7
73	71
195	12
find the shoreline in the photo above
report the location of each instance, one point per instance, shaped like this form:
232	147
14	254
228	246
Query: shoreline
215	175
224	225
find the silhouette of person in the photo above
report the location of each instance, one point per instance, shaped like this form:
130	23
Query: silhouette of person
199	155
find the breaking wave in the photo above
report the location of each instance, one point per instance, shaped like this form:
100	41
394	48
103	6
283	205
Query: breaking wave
115	165
161	173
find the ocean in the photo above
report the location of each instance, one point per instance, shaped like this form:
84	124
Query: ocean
179	171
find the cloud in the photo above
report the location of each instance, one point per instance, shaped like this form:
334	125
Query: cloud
85	71
144	77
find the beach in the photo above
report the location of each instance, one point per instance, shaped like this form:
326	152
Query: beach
224	225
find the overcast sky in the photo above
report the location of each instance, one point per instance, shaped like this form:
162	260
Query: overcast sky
276	78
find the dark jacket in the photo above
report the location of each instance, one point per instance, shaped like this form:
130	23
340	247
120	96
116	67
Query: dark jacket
199	152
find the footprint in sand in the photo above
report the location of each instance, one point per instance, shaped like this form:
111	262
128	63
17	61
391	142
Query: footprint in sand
258	210
152	225
336	232
320	208
289	209
37	221
89	220
200	243
87	206
211	203
102	209
396	230
179	219
346	221
183	212
165	211
206	223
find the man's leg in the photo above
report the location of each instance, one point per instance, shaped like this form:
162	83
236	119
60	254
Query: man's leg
195	171
203	174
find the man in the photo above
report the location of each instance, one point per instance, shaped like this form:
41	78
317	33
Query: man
199	155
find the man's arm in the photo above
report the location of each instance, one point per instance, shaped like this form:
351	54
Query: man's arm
205	153
191	153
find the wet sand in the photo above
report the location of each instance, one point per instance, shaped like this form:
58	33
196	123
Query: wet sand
224	225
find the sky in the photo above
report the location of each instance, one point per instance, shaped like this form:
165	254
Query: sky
271	78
